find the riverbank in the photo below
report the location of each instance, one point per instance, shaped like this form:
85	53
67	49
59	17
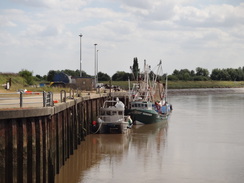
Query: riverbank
187	84
205	84
191	91
175	87
181	91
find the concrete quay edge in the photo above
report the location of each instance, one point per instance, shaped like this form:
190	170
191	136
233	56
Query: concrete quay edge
36	112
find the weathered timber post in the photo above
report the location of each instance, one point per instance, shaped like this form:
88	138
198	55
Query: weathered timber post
8	152
2	151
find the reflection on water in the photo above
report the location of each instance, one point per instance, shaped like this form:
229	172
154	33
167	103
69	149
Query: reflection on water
112	157
202	141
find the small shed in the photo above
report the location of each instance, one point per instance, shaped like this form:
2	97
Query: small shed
84	83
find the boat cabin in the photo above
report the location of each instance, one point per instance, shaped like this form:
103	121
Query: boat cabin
112	111
141	105
111	118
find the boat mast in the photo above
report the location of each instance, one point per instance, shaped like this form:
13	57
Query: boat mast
130	94
147	88
166	87
156	75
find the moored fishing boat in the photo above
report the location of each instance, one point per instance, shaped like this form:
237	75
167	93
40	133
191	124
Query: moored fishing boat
148	99
143	112
112	118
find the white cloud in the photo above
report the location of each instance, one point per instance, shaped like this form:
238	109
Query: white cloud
176	31
140	4
36	3
64	4
150	10
211	16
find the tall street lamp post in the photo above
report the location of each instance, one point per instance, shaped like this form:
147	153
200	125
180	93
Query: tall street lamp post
95	64
80	56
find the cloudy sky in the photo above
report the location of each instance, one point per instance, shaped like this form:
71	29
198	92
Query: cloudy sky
43	35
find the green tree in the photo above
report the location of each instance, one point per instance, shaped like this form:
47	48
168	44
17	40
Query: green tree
51	74
240	74
103	76
215	75
45	77
121	76
71	72
27	75
75	73
135	69
184	74
225	76
192	73
84	74
202	72
38	77
176	72
172	78
220	75
234	75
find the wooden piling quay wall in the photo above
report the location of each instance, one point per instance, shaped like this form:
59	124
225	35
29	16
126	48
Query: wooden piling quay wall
36	142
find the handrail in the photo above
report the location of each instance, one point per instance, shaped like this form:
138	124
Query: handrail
23	98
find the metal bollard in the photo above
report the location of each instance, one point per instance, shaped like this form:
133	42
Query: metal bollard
50	99
62	99
44	98
21	99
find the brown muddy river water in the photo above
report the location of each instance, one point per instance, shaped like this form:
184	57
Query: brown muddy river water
201	142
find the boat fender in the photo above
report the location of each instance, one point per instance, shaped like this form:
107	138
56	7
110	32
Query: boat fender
129	122
94	123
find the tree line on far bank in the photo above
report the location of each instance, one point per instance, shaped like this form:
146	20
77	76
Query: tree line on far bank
200	74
